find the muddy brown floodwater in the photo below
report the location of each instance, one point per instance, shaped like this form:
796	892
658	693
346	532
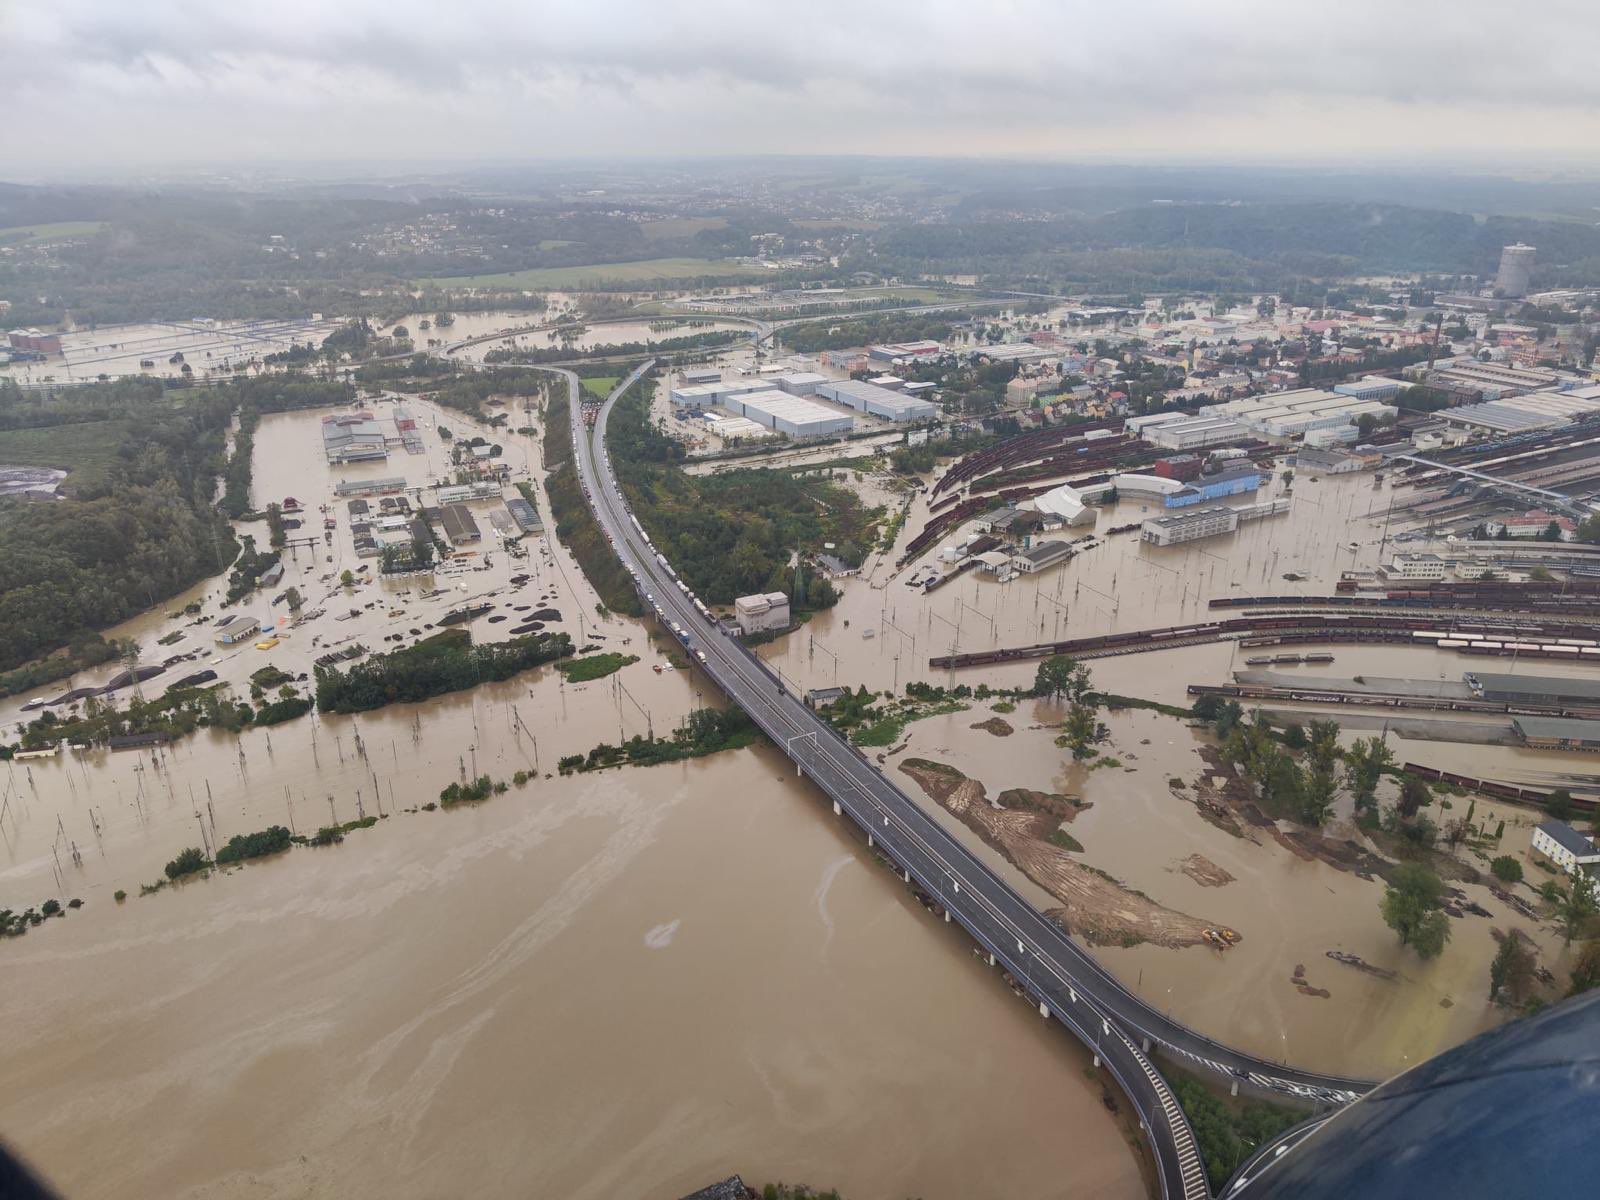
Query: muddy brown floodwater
625	984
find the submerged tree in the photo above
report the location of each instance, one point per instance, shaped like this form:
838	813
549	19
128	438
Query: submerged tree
1413	906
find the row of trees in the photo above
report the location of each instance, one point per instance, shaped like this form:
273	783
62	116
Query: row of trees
446	662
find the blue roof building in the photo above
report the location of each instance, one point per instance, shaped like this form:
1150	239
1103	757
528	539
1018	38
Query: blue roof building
1231	482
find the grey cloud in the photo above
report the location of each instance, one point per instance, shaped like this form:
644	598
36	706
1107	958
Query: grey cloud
619	75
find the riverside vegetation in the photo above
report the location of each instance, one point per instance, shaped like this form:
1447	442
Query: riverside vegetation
445	662
704	731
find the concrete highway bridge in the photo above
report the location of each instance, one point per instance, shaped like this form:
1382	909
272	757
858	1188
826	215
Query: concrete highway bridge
1069	986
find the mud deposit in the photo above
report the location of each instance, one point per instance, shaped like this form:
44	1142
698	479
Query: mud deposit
1204	872
998	726
1019	824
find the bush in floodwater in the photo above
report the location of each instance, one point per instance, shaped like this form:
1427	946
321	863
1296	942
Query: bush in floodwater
1506	869
50	908
119	895
521	778
254	845
471	792
188	862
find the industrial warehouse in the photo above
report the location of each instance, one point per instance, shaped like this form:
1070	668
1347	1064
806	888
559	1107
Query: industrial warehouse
1296	413
796	416
792	403
877	401
353	437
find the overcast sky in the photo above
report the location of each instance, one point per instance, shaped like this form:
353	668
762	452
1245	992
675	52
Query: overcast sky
87	83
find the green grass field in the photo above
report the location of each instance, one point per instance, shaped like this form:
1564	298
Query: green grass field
19	234
649	270
600	386
86	451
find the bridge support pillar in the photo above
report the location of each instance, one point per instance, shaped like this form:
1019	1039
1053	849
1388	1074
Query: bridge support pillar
1044	1010
991	960
947	916
869	841
1097	1062
908	876
1233	1089
1145	1045
836	809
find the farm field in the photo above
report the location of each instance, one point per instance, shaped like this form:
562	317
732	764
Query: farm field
49	232
85	451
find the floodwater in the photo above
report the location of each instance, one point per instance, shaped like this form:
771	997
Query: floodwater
626	984
594	334
636	982
618	984
1289	911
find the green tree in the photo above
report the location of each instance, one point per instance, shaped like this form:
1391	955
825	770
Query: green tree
347	578
1365	763
1414	796
1061	675
1506	869
293	598
1559	805
1575	905
1413	906
187	863
1511	974
1229	717
1082	731
1586	968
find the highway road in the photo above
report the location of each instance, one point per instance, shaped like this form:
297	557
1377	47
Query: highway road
1062	977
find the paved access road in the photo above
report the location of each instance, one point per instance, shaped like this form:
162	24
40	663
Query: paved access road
1065	980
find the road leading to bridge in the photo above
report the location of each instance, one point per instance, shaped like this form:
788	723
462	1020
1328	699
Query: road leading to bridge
1066	982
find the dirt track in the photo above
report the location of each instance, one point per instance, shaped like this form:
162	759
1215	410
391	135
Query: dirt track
1019	824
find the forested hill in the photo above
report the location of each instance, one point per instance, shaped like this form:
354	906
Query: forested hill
135	523
1259	245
